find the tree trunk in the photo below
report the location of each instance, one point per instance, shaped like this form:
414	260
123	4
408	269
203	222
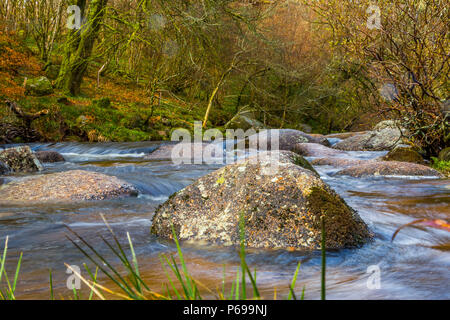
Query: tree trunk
79	45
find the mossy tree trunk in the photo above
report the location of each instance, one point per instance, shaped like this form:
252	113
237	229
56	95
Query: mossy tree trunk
79	45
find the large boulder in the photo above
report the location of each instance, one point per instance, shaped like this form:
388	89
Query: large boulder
20	159
49	156
388	168
385	136
65	186
280	210
38	87
403	153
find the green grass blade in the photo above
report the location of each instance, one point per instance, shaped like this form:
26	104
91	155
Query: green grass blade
169	277
52	296
120	282
294	279
324	260
3	261
242	254
16	276
183	264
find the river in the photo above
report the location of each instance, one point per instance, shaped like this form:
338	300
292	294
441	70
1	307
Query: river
415	266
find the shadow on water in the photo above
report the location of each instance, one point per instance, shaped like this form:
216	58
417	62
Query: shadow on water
415	266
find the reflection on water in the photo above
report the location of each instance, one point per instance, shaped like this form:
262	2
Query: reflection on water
415	266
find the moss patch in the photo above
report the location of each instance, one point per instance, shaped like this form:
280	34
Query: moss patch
341	227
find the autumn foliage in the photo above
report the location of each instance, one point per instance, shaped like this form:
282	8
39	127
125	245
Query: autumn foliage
15	62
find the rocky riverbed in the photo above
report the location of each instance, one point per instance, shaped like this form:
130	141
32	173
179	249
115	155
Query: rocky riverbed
382	202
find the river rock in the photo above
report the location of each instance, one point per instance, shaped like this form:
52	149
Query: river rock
385	136
65	186
38	87
49	156
389	168
287	139
20	159
337	162
404	153
315	150
187	151
344	135
280	210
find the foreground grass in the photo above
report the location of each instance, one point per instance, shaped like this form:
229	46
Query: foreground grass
180	284
441	165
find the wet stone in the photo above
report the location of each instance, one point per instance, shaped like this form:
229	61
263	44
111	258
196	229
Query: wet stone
75	185
280	210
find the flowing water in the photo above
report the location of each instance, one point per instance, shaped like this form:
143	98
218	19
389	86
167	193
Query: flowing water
414	266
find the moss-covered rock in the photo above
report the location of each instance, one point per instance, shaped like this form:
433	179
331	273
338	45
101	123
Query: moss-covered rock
20	159
405	154
38	87
281	209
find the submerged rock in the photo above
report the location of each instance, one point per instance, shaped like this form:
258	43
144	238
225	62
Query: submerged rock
49	156
20	159
389	168
72	185
280	210
404	153
385	136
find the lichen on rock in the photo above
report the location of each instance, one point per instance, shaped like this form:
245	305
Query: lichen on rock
68	186
280	210
20	160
